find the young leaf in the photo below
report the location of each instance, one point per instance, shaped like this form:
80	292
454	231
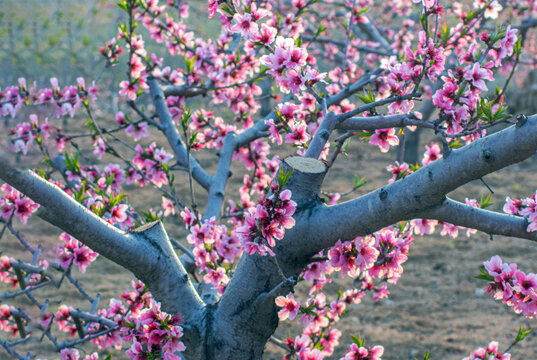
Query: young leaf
485	201
522	333
357	340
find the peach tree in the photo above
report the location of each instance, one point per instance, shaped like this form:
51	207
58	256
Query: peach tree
302	76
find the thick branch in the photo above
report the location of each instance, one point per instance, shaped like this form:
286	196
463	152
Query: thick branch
382	122
492	223
198	173
219	180
373	34
361	109
64	212
183	91
322	134
353	88
423	190
146	251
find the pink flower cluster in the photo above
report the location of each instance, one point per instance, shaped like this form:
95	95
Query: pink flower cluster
267	222
74	354
150	162
63	319
392	244
512	286
12	98
353	257
214	249
291	120
459	97
288	65
490	353
7	322
8	275
14	203
380	255
101	191
211	130
67	100
357	352
74	252
402	77
525	207
318	339
5	272
153	332
25	134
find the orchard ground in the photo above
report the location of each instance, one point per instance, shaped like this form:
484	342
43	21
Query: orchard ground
437	305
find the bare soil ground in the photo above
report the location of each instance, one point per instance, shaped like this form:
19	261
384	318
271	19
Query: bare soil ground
437	305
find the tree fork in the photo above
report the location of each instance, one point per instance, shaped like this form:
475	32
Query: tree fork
242	325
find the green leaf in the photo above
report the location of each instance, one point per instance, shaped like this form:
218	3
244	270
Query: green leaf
485	201
518	46
193	137
190	63
283	177
414	167
150	216
123	5
484	275
320	30
308	310
41	173
365	135
522	333
359	182
357	340
227	9
455	144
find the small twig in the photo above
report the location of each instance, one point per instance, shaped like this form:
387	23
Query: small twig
10	295
183	248
488	187
274	340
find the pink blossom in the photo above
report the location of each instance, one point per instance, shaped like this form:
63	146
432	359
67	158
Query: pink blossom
119	212
24	208
169	207
69	354
267	35
294	81
508	42
476	74
289	306
433	153
137	130
384	138
100	148
128	89
245	25
398	171
298	134
424	226
120	118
